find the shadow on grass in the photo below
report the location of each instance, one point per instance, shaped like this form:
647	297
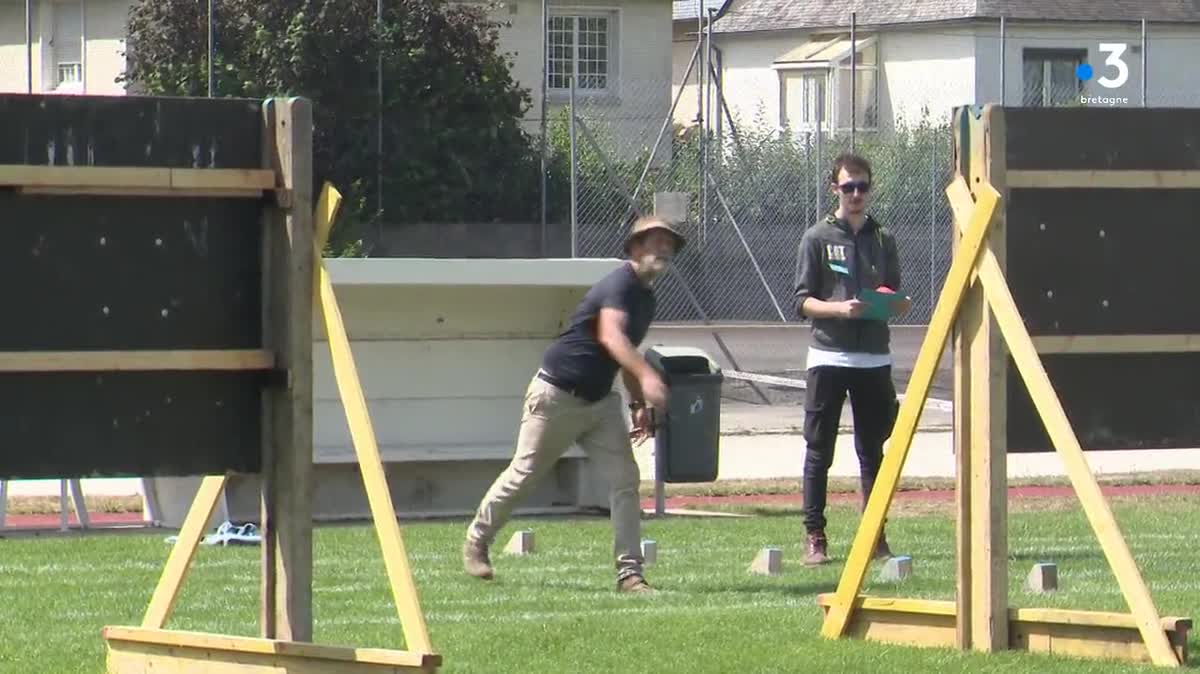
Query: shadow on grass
806	589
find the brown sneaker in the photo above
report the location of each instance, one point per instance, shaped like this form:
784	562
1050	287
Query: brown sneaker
818	549
634	584
475	560
882	551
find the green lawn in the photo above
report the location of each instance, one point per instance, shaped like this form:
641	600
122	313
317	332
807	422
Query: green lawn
556	611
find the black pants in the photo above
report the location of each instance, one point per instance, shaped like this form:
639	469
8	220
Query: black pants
874	405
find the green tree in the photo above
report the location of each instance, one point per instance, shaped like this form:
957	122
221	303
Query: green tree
453	146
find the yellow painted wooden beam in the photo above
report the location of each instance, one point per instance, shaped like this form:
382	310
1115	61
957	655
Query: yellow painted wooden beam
383	512
932	347
172	650
106	361
1084	179
1058	427
184	550
129	179
1184	343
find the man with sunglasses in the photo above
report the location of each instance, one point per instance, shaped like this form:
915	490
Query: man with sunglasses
849	354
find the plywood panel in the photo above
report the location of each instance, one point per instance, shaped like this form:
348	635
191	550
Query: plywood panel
420	312
1086	262
1114	401
437	368
1075	138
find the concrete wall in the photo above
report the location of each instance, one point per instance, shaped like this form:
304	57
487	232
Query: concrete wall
103	27
474	240
445	350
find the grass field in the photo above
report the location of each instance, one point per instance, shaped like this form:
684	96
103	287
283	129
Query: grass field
556	612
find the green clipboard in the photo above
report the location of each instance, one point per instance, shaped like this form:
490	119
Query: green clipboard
879	305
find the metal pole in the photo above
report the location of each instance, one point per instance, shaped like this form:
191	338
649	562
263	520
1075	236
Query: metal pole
714	81
211	50
379	120
662	131
1144	55
29	46
1003	62
853	76
83	59
704	96
660	492
542	143
753	260
819	162
574	177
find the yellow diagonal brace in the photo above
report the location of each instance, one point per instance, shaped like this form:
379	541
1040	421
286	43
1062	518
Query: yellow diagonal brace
370	463
1058	427
932	347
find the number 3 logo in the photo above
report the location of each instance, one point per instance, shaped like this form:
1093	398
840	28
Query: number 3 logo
1114	51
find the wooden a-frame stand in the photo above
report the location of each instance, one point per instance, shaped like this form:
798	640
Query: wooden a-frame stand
977	295
153	648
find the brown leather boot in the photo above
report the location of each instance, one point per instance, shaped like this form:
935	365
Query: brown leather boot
818	549
475	560
634	584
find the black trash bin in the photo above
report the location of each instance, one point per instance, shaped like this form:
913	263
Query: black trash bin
687	442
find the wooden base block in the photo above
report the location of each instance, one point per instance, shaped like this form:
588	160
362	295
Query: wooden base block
649	551
133	650
521	543
1085	634
768	562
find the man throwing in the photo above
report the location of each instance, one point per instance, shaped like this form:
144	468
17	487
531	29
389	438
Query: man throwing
571	400
839	257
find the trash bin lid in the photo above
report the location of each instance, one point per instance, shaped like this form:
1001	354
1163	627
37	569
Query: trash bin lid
681	360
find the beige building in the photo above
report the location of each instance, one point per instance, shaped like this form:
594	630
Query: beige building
77	46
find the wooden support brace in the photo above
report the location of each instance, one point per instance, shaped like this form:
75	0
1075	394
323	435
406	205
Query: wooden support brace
1116	179
910	409
1117	343
113	361
137	181
383	512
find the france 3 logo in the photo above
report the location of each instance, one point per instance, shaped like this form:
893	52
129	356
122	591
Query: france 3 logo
1115	51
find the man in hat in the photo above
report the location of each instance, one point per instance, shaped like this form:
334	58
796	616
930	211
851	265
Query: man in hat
571	400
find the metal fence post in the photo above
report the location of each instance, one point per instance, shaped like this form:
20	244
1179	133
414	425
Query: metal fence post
574	175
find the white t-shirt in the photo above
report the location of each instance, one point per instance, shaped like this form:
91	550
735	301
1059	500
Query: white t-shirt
821	357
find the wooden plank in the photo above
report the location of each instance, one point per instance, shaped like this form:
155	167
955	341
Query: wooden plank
988	504
135	178
1088	634
1133	587
961	205
910	409
184	192
387	527
1132	180
183	552
1052	344
100	361
134	649
288	291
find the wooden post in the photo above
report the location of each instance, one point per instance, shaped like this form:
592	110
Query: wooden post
287	437
987	447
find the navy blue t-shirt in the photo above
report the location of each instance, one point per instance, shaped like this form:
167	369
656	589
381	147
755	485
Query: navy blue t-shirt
576	357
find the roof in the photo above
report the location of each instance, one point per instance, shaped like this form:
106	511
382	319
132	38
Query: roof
689	10
761	15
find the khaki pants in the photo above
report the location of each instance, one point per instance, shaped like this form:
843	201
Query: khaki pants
551	422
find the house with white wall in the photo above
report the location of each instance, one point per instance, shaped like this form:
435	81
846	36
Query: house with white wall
786	63
616	51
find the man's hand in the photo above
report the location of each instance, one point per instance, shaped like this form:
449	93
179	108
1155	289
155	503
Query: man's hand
653	388
902	307
852	308
643	425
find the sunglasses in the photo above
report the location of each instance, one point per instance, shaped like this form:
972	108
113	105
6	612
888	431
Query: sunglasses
861	186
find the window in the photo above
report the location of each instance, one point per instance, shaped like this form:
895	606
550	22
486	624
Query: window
579	44
815	81
1048	76
68	52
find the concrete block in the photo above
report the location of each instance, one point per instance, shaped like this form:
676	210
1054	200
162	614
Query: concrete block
521	543
896	569
768	562
1042	577
649	551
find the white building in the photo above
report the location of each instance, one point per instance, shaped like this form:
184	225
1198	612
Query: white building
786	63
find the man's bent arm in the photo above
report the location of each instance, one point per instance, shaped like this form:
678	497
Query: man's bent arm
633	386
611	335
815	308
